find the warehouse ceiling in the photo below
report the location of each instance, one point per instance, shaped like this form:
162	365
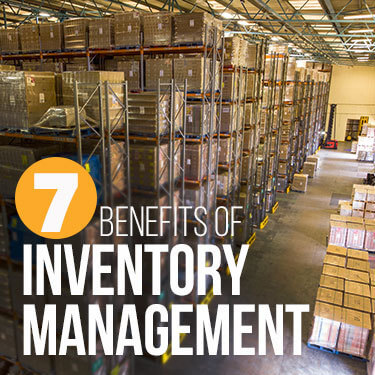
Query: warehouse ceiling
337	31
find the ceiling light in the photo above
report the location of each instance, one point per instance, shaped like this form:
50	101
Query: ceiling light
245	23
361	51
44	14
358	17
360	31
227	15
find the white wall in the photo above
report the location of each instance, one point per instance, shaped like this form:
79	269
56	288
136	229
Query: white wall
353	90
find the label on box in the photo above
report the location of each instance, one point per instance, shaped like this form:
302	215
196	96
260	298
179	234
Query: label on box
30	81
191	23
51	34
190	72
41	98
100	30
76	32
161	73
129	28
226	110
142	167
130	73
188	161
142	110
12	99
160	26
190	118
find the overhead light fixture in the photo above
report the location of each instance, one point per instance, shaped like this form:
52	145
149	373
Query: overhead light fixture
358	17
246	23
227	15
361	51
44	14
360	31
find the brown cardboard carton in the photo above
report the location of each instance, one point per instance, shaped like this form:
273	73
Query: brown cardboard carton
331	296
87	83
358	276
232	51
337	250
190	29
358	289
300	182
355	302
358	254
313	159
29	37
127	27
358	265
157	29
158	69
335	271
191	69
75	33
9	41
51	36
132	73
309	169
60	117
229	86
331	282
101	33
24	98
334	260
197	125
6	68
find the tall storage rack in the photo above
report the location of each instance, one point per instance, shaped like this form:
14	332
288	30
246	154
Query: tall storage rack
90	140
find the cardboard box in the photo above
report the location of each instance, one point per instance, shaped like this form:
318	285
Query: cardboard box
283	168
358	213
248	140
337	250
358	254
87	82
369	243
194	124
337	233
158	69
331	282
359	303
356	236
29	37
9	41
360	194
229	87
369	215
300	182
358	289
128	26
7	68
191	69
358	205
51	36
346	209
335	271
75	33
331	296
131	70
190	28
313	159
309	169
25	97
232	47
101	33
196	159
334	260
358	265
60	117
157	29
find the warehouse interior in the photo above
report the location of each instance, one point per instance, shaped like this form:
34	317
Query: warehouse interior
261	108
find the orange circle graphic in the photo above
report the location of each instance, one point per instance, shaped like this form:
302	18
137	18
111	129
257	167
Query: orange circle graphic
56	198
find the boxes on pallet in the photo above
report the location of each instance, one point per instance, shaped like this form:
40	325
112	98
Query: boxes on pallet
369	243
29	37
158	69
144	117
248	135
196	121
127	29
300	182
346	209
132	73
51	36
229	87
334	260
246	167
9	41
369	215
75	33
87	83
337	233
360	193
225	183
190	29
337	250
192	69
157	29
309	169
355	235
358	205
196	161
62	117
228	118
101	33
284	151
331	296
282	183
313	159
24	97
251	55
232	47
358	254
335	272
358	265
283	168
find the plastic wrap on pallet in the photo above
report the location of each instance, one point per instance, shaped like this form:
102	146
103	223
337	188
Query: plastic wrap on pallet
337	233
157	29
75	33
51	36
132	73
127	29
196	125
60	117
232	47
369	243
355	236
9	41
196	161
101	33
24	97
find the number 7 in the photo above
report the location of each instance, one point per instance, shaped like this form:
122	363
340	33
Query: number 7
66	185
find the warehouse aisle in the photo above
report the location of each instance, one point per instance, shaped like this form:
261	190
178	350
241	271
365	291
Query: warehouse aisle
284	266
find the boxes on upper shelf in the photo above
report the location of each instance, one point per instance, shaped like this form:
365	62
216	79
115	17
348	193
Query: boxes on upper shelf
9	41
197	122
101	33
132	73
51	36
75	33
29	37
24	97
127	27
157	29
232	47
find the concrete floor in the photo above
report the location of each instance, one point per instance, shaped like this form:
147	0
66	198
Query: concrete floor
283	267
